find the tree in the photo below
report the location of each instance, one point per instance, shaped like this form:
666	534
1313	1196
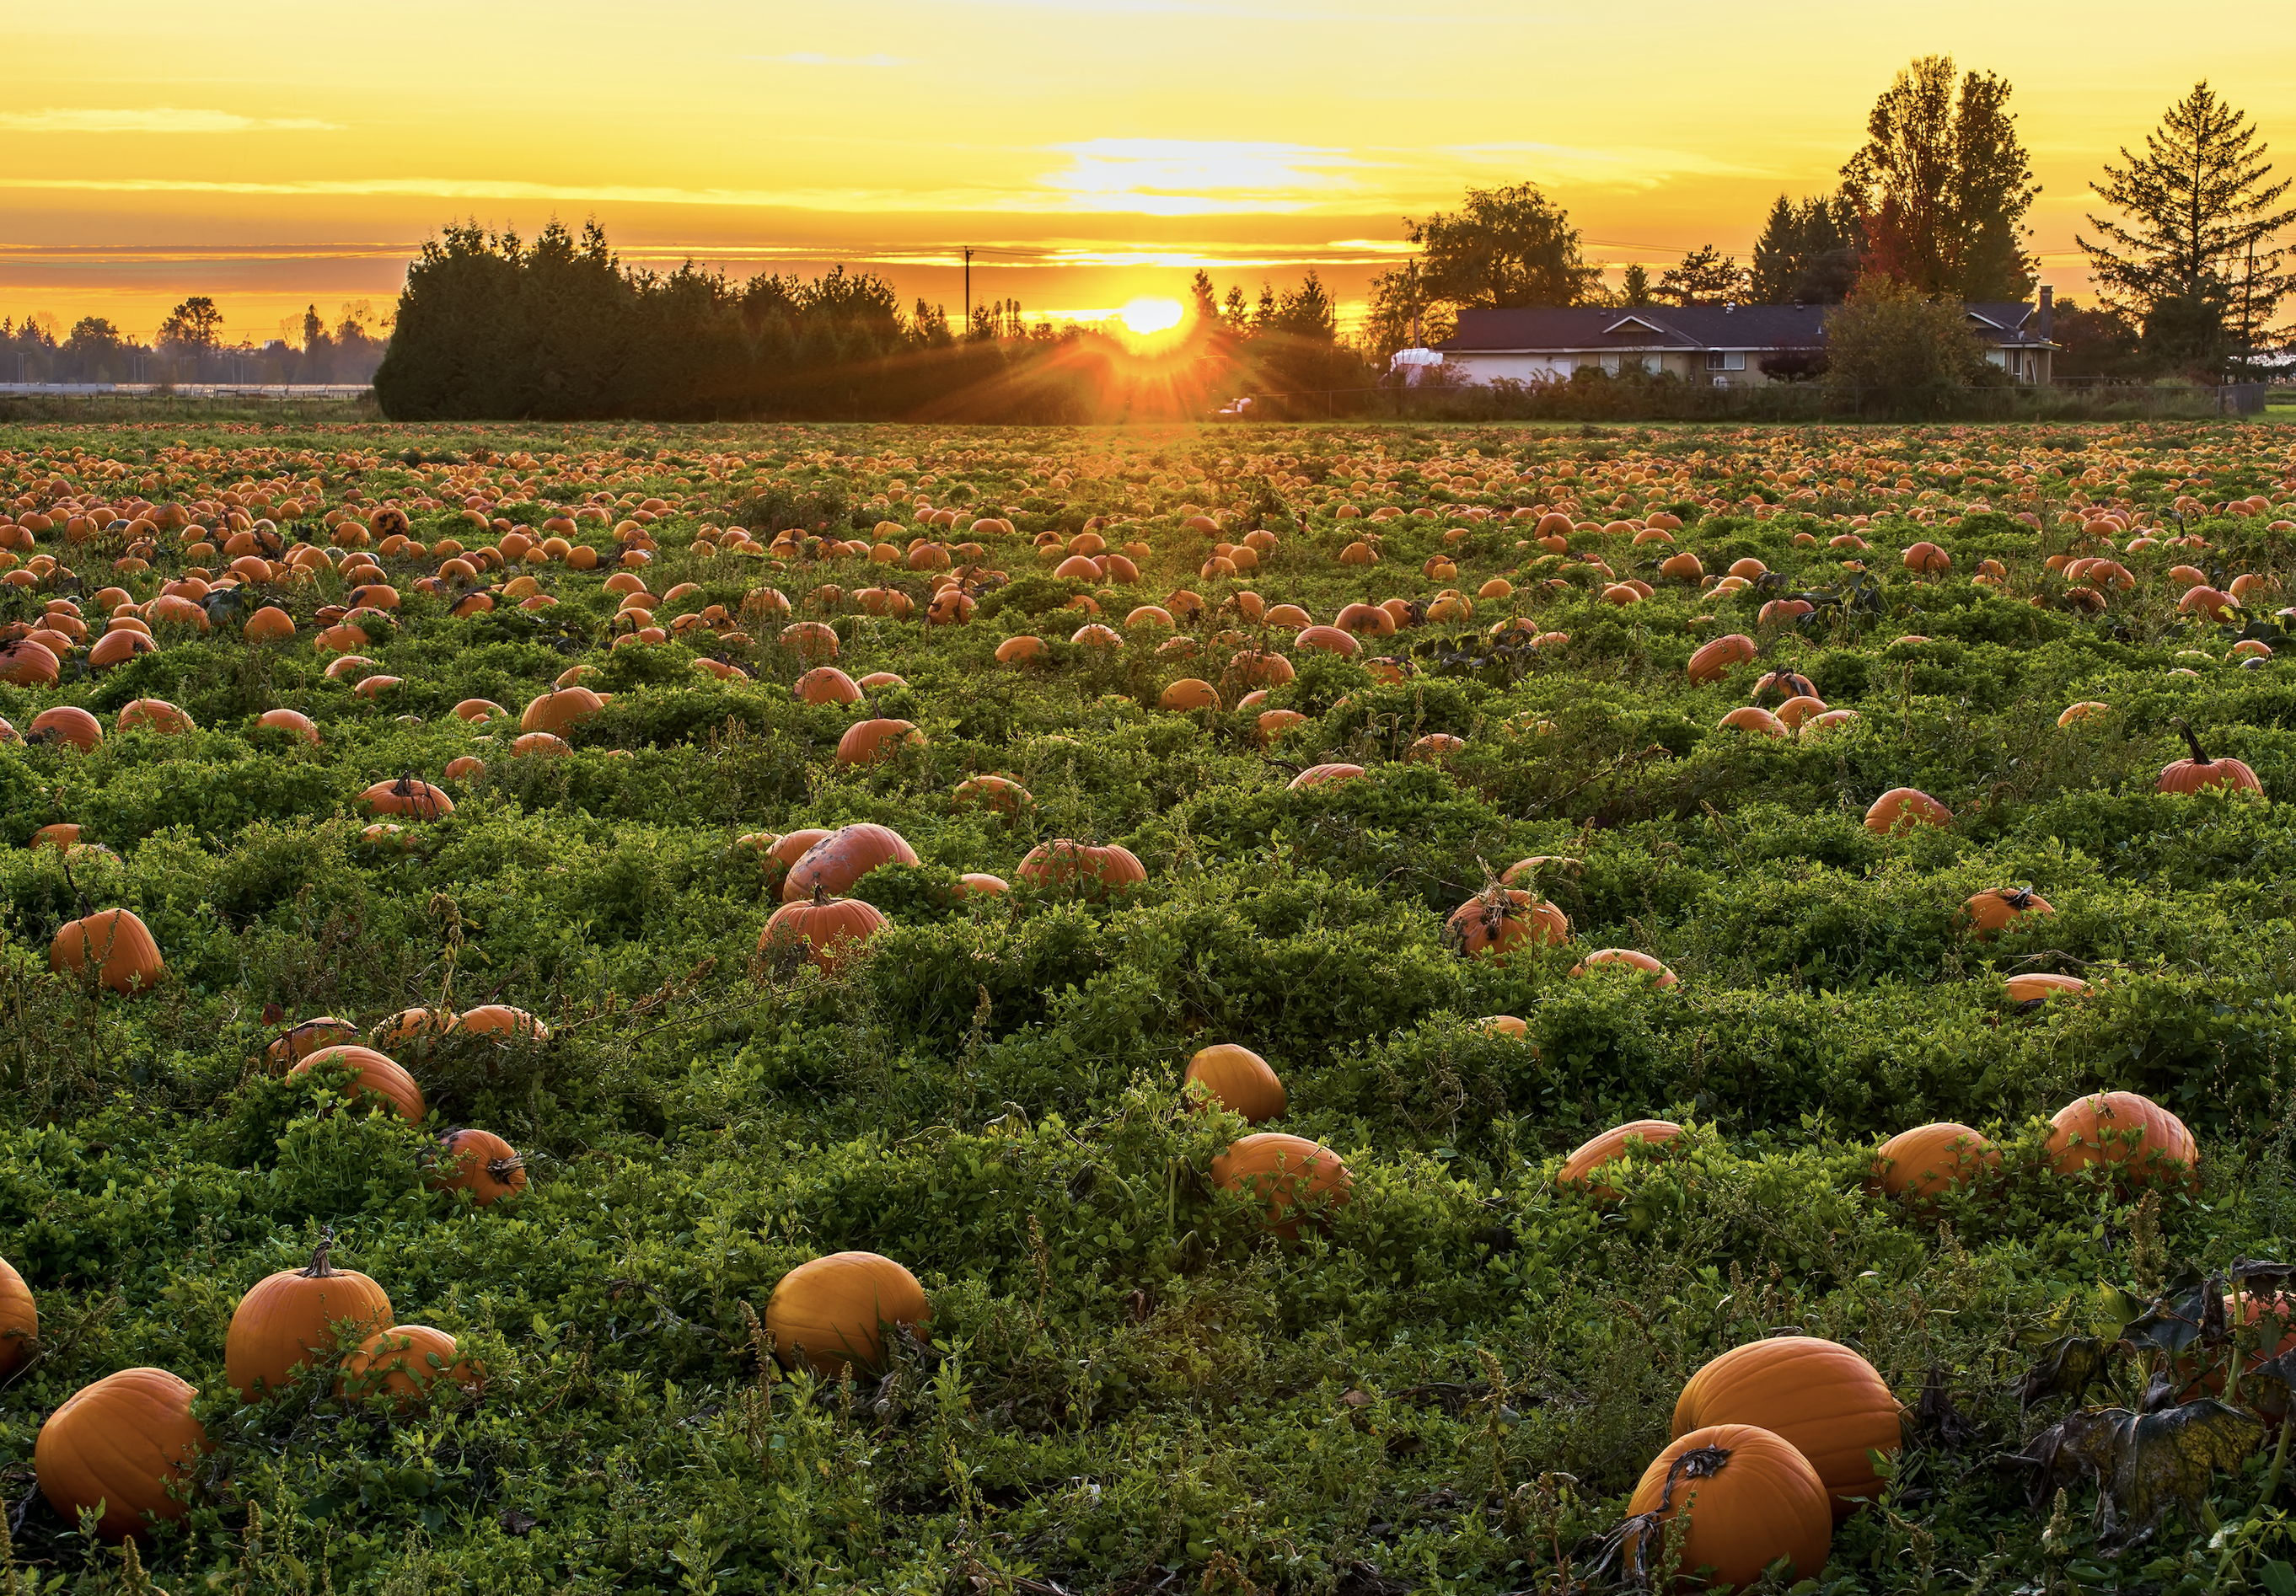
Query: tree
1942	186
1807	254
1891	349
1635	286
1705	276
2193	262
195	326
96	352
2097	341
1502	247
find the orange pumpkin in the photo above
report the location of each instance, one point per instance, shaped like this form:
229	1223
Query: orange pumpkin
1001	793
826	684
1317	775
1627	958
1284	1174
1931	1157
294	1317
1748	1498
832	1311
1819	1397
307	1037
1997	908
1235	1077
2200	773
66	724
1612	1145
2039	987
1903	808
557	709
375	1074
1498	920
1712	661
866	741
1093	869
478	1162
20	1319
411	1027
406	799
155	715
127	1442
2144	1141
119	943
399	1366
500	1019
294	722
828	931
834	864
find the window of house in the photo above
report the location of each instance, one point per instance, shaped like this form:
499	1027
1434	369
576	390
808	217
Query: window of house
1616	364
1725	360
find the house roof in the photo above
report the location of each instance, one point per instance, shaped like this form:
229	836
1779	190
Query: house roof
1580	329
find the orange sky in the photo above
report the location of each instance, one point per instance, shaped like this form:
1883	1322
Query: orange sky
273	155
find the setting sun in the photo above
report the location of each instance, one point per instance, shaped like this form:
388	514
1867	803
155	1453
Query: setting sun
1144	318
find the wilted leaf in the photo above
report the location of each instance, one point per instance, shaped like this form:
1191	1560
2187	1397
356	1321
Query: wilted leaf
2068	1365
2144	1463
2189	1311
1937	1418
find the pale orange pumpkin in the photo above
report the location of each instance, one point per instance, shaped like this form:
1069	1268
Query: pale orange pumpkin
833	1312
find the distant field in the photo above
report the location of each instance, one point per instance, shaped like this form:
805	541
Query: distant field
563	913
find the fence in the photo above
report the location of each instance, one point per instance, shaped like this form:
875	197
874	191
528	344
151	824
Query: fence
284	391
1615	400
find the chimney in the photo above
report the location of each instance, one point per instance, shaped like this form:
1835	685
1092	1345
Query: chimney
2048	312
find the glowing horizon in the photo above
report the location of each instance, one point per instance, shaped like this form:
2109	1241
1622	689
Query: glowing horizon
1094	152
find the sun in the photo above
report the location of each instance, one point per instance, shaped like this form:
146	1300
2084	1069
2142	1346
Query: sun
1147	317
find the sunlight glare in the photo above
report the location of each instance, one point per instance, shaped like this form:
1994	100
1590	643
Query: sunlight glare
1145	318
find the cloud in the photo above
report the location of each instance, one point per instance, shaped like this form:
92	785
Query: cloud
1199	176
1625	167
815	58
156	119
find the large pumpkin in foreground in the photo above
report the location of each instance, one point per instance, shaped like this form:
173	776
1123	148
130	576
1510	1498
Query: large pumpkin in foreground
114	940
1285	1172
2122	1128
1749	1497
1819	1395
1498	920
831	1312
374	1075
123	1442
1237	1078
294	1316
824	930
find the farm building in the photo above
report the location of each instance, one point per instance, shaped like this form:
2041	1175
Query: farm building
1730	346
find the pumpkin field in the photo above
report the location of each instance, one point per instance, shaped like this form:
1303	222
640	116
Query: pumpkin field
1342	1010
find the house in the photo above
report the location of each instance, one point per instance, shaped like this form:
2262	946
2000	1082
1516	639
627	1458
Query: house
1726	345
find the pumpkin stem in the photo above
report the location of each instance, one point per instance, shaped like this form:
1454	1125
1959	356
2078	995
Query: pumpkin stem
2190	741
319	1268
820	894
502	1169
1700	1462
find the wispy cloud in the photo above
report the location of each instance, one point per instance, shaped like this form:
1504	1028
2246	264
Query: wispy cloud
1622	166
815	58
155	118
1199	176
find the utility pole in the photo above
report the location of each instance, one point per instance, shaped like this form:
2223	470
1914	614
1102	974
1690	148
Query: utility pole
968	294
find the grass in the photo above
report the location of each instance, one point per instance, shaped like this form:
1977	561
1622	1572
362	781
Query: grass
1451	1385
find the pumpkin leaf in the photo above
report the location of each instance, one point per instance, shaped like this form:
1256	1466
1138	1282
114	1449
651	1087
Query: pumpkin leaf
2191	1310
2068	1365
2143	1463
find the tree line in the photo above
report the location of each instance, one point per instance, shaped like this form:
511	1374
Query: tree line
1931	207
558	328
189	347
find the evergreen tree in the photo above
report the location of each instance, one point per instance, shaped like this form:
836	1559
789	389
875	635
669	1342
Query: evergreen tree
1943	183
1704	277
1807	253
2193	261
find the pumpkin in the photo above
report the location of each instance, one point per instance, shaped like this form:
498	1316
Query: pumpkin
2144	1141
155	715
307	1037
61	837
294	1317
558	709
869	740
1931	1157
409	1027
1713	660
1498	920
1187	693
480	709
500	1019
1903	808
541	744
1613	1144
1283	1173
406	799
1818	1396
2037	988
1627	958
115	941
975	883
1092	868
122	1442
1775	687
24	663
294	722
828	931
20	1319
1001	793
69	725
1504	1024
374	1073
1997	908
826	684
832	1312
1747	1499
834	864
1235	1077
1316	775
399	1365
1746	717
2200	773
